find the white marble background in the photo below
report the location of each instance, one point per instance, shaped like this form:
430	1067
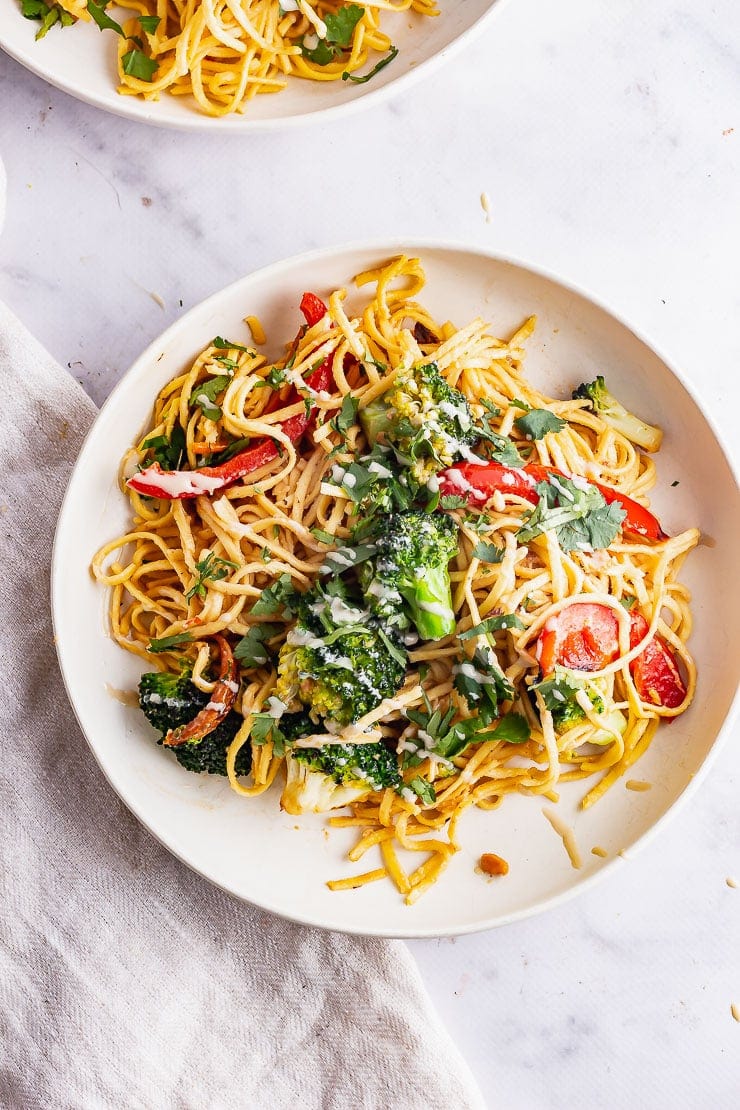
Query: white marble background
607	136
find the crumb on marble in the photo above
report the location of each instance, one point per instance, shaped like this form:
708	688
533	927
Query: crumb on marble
485	203
728	131
732	883
735	1011
146	201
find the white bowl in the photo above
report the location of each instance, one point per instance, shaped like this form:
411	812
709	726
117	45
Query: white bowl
82	62
280	862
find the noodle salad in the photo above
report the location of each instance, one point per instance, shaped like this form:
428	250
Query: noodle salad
223	53
388	576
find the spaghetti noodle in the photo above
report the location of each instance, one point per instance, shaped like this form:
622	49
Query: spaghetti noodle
563	655
225	52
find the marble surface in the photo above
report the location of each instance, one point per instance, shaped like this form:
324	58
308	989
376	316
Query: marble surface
607	137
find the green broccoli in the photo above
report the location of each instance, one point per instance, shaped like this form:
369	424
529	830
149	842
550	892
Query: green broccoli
169	700
614	413
559	692
319	779
336	661
407	580
427	422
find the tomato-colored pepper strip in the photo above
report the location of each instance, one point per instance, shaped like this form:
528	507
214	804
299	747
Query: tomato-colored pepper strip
585	637
477	484
223	696
313	308
172	485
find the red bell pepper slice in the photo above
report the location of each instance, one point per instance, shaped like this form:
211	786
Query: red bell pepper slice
223	696
585	637
174	485
313	308
477	484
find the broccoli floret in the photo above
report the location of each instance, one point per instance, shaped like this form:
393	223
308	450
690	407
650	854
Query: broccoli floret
423	418
169	700
331	777
613	412
408	580
336	661
559	694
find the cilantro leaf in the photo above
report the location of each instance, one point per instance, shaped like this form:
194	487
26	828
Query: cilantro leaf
340	27
452	501
423	790
576	511
488	552
204	394
149	23
212	568
538	422
344	558
222	344
228	453
103	20
265	727
276	597
491	624
513	728
168	452
136	64
347	415
322	536
165	643
483	684
251	650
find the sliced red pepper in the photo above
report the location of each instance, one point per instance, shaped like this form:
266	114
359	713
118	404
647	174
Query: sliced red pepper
313	308
223	696
655	671
477	484
582	637
585	637
174	485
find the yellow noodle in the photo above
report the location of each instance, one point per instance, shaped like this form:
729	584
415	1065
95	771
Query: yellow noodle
262	528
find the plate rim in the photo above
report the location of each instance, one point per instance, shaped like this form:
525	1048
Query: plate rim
131	108
271	272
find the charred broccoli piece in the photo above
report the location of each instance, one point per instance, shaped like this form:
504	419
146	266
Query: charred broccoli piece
169	700
333	776
407	580
605	405
427	422
336	661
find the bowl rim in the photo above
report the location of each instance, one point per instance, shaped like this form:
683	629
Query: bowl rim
384	247
143	112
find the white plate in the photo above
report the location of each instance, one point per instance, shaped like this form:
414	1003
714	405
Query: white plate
82	61
282	863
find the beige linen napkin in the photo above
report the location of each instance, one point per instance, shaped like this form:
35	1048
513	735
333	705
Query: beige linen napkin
125	979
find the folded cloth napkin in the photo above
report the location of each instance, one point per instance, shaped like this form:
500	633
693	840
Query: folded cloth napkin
125	979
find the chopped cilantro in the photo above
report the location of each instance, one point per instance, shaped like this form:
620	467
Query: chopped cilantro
168	452
276	597
103	20
251	650
392	53
204	395
488	552
136	64
212	568
165	643
340	27
322	536
423	790
492	624
347	415
222	344
538	422
483	684
576	512
149	23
